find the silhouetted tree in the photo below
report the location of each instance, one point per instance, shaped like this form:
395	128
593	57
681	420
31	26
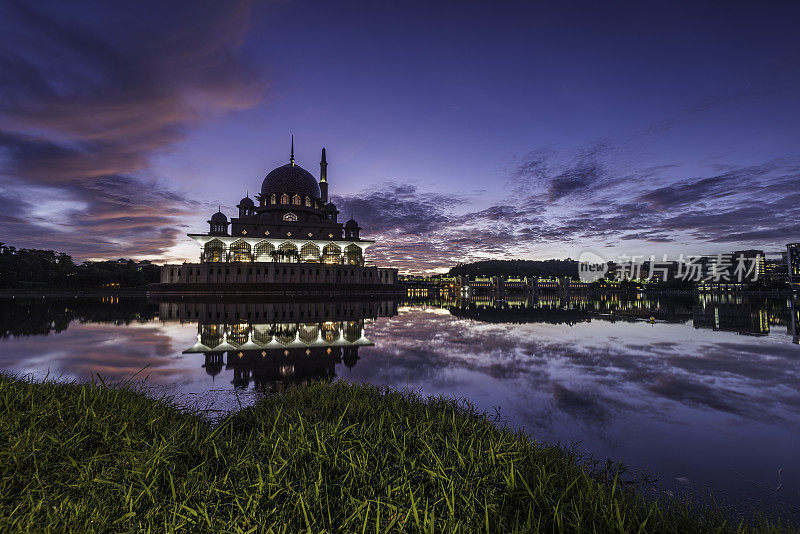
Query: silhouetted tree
45	269
540	268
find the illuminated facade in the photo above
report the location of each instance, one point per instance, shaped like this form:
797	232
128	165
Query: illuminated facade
290	222
775	269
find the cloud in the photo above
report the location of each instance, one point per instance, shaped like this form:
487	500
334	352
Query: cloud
582	202
560	176
421	229
399	208
90	95
583	405
574	180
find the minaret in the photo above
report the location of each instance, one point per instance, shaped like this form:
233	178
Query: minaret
323	177
291	157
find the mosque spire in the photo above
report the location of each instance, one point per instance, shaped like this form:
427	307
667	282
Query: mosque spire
323	177
291	157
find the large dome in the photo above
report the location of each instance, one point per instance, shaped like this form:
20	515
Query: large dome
290	179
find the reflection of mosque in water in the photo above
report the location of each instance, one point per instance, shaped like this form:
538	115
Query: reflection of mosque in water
276	344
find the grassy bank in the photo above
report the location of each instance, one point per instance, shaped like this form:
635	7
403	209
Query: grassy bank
340	458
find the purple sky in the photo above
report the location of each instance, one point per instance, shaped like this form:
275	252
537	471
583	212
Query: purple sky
454	131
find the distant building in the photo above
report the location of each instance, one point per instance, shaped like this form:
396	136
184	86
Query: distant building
775	269
660	271
547	283
740	266
484	283
516	285
793	263
421	287
756	258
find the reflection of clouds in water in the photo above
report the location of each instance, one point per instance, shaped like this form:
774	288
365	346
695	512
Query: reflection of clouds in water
668	399
83	351
118	353
582	404
696	393
553	369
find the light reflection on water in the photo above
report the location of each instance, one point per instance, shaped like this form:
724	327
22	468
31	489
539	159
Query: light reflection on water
697	390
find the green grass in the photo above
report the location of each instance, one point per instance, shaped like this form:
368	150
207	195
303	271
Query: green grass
321	458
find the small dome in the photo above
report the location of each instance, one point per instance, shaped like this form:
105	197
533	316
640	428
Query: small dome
291	179
246	202
213	369
330	207
351	224
219	217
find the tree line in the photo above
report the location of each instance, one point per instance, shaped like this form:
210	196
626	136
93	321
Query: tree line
539	268
30	268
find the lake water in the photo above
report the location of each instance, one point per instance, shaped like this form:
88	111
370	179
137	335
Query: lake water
702	392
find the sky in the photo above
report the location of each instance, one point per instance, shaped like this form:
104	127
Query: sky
455	131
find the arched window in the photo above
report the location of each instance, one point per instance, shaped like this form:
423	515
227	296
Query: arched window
308	202
353	255
330	332
309	253
296	200
263	251
214	250
286	253
238	335
291	217
352	331
285	334
272	199
210	335
240	252
308	333
261	334
331	254
284	198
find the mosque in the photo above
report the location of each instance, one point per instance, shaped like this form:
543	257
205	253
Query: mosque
288	235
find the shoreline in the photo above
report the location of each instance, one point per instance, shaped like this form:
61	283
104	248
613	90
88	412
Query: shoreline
316	457
322	293
25	293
